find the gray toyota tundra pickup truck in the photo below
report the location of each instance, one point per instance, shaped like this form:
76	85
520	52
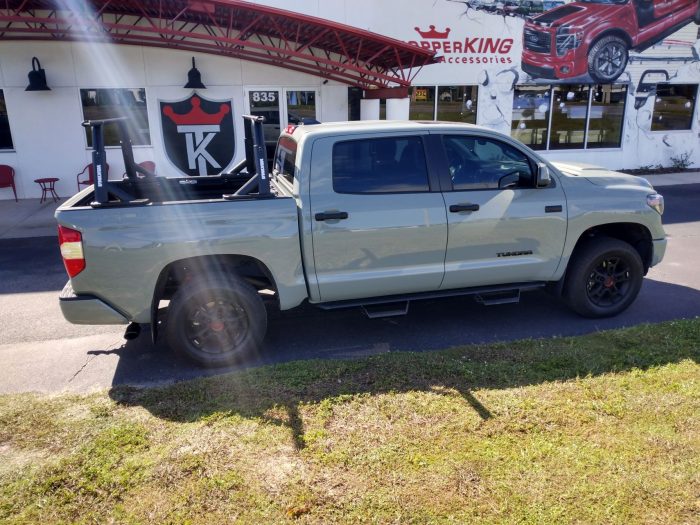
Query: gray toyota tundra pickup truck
368	214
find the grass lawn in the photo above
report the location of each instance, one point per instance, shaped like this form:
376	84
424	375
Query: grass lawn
603	428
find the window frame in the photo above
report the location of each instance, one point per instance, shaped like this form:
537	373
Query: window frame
586	131
432	185
148	119
691	118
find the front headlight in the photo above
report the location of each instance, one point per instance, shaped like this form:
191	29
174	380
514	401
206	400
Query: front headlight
656	201
568	37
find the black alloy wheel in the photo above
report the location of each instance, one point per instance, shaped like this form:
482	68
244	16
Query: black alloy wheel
609	282
603	278
216	321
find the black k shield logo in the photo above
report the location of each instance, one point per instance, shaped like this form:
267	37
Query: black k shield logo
198	134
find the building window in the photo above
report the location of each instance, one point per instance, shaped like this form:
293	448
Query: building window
5	135
530	124
422	105
457	103
674	107
606	116
101	104
569	116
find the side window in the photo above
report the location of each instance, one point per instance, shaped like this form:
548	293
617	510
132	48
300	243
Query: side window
384	165
478	163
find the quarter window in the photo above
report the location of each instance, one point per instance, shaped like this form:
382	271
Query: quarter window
5	135
385	165
101	104
674	107
478	163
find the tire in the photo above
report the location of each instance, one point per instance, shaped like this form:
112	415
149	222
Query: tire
604	278
216	321
607	59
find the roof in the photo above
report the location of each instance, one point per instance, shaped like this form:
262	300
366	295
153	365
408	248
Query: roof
232	28
383	126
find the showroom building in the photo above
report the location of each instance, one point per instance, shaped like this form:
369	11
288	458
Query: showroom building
555	75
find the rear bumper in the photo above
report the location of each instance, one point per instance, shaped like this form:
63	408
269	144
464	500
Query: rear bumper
87	309
659	251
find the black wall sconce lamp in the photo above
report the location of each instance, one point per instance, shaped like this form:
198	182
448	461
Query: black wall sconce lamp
37	77
194	78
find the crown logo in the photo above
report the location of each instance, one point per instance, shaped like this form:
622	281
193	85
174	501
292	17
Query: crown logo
196	116
432	33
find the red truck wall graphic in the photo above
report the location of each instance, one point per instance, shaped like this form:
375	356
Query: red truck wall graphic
593	38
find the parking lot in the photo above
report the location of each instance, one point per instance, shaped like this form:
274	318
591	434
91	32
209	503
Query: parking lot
42	352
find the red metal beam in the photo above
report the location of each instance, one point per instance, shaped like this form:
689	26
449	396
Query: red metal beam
223	27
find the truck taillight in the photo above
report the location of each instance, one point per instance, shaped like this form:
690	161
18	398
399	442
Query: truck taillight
71	243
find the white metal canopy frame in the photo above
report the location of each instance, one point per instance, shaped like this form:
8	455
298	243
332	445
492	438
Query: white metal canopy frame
231	28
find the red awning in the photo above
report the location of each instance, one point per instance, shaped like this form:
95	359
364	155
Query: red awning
223	27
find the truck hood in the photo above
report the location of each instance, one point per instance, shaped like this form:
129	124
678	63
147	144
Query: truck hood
576	14
601	176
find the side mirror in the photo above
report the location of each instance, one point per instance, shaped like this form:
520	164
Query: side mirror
544	178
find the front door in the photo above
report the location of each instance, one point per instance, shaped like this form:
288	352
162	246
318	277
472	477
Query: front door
501	228
267	103
378	224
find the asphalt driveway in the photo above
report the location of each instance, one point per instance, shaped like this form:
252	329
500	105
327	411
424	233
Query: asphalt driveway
42	352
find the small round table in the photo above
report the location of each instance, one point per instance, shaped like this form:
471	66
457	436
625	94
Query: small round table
47	187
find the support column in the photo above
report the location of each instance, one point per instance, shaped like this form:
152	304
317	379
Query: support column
369	109
397	108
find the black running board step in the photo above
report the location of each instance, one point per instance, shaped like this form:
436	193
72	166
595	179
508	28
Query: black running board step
377	311
481	290
506	297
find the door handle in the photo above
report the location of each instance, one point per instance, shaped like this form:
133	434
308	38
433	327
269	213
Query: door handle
456	208
553	209
331	216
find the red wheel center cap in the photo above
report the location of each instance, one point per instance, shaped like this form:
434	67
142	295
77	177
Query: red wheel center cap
217	326
609	282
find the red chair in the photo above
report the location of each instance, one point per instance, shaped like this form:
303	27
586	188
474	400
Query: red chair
90	175
148	165
7	178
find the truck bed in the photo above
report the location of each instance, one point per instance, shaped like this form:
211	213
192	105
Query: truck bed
178	189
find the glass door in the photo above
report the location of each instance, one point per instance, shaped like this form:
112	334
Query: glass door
301	106
266	103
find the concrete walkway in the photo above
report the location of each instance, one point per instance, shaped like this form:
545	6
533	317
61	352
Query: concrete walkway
27	218
30	218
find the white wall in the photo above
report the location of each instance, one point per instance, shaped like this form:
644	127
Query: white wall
45	125
49	140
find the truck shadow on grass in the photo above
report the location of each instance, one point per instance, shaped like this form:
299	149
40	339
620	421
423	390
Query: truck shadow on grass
275	393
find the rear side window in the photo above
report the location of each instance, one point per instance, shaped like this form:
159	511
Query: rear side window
478	163
382	165
285	158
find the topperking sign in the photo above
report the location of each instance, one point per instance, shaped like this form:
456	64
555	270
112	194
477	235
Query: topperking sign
198	134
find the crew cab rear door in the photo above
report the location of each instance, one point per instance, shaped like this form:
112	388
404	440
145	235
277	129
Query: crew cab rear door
501	228
379	225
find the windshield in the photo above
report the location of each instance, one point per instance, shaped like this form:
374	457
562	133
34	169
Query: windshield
616	2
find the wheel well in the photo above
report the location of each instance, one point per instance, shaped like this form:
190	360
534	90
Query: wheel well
636	235
178	272
613	32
